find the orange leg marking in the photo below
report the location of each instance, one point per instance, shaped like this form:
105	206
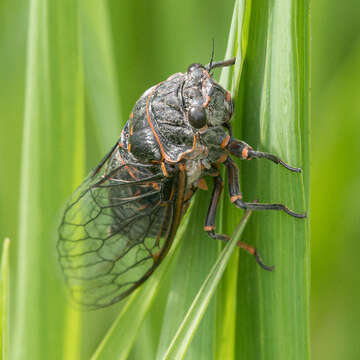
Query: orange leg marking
235	197
209	228
244	153
225	141
201	184
222	158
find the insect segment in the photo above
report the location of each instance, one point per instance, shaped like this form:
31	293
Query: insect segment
120	223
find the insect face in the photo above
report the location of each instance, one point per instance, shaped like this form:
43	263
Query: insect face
201	91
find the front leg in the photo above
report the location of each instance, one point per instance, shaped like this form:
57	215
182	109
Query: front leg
236	196
244	151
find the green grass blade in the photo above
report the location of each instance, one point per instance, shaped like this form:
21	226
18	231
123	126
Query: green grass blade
100	75
273	308
122	334
4	300
13	26
229	216
189	325
53	140
236	46
103	124
197	254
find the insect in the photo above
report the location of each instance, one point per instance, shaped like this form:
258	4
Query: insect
120	223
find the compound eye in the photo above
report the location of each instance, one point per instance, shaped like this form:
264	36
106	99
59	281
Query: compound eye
194	66
197	117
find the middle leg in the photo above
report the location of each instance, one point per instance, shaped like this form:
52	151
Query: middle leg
211	218
236	196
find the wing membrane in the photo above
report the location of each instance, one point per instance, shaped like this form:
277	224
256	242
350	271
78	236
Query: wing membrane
116	229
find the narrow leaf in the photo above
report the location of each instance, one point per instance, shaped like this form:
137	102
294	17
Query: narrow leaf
273	308
197	254
52	158
229	216
236	46
100	74
187	329
121	336
4	299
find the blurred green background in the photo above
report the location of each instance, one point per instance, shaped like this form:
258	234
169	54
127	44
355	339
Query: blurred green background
145	53
335	225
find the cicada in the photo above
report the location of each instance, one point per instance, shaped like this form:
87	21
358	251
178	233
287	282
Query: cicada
120	223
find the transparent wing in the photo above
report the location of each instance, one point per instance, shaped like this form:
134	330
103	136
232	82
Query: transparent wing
117	227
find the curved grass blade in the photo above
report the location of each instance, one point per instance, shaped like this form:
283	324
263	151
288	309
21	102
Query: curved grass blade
53	140
100	74
229	217
196	256
120	337
13	30
104	120
273	308
187	329
236	46
4	300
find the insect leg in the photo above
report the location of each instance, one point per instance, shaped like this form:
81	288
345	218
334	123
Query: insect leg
252	251
210	224
236	196
244	151
211	214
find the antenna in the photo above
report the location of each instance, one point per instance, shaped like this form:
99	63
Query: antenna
213	65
